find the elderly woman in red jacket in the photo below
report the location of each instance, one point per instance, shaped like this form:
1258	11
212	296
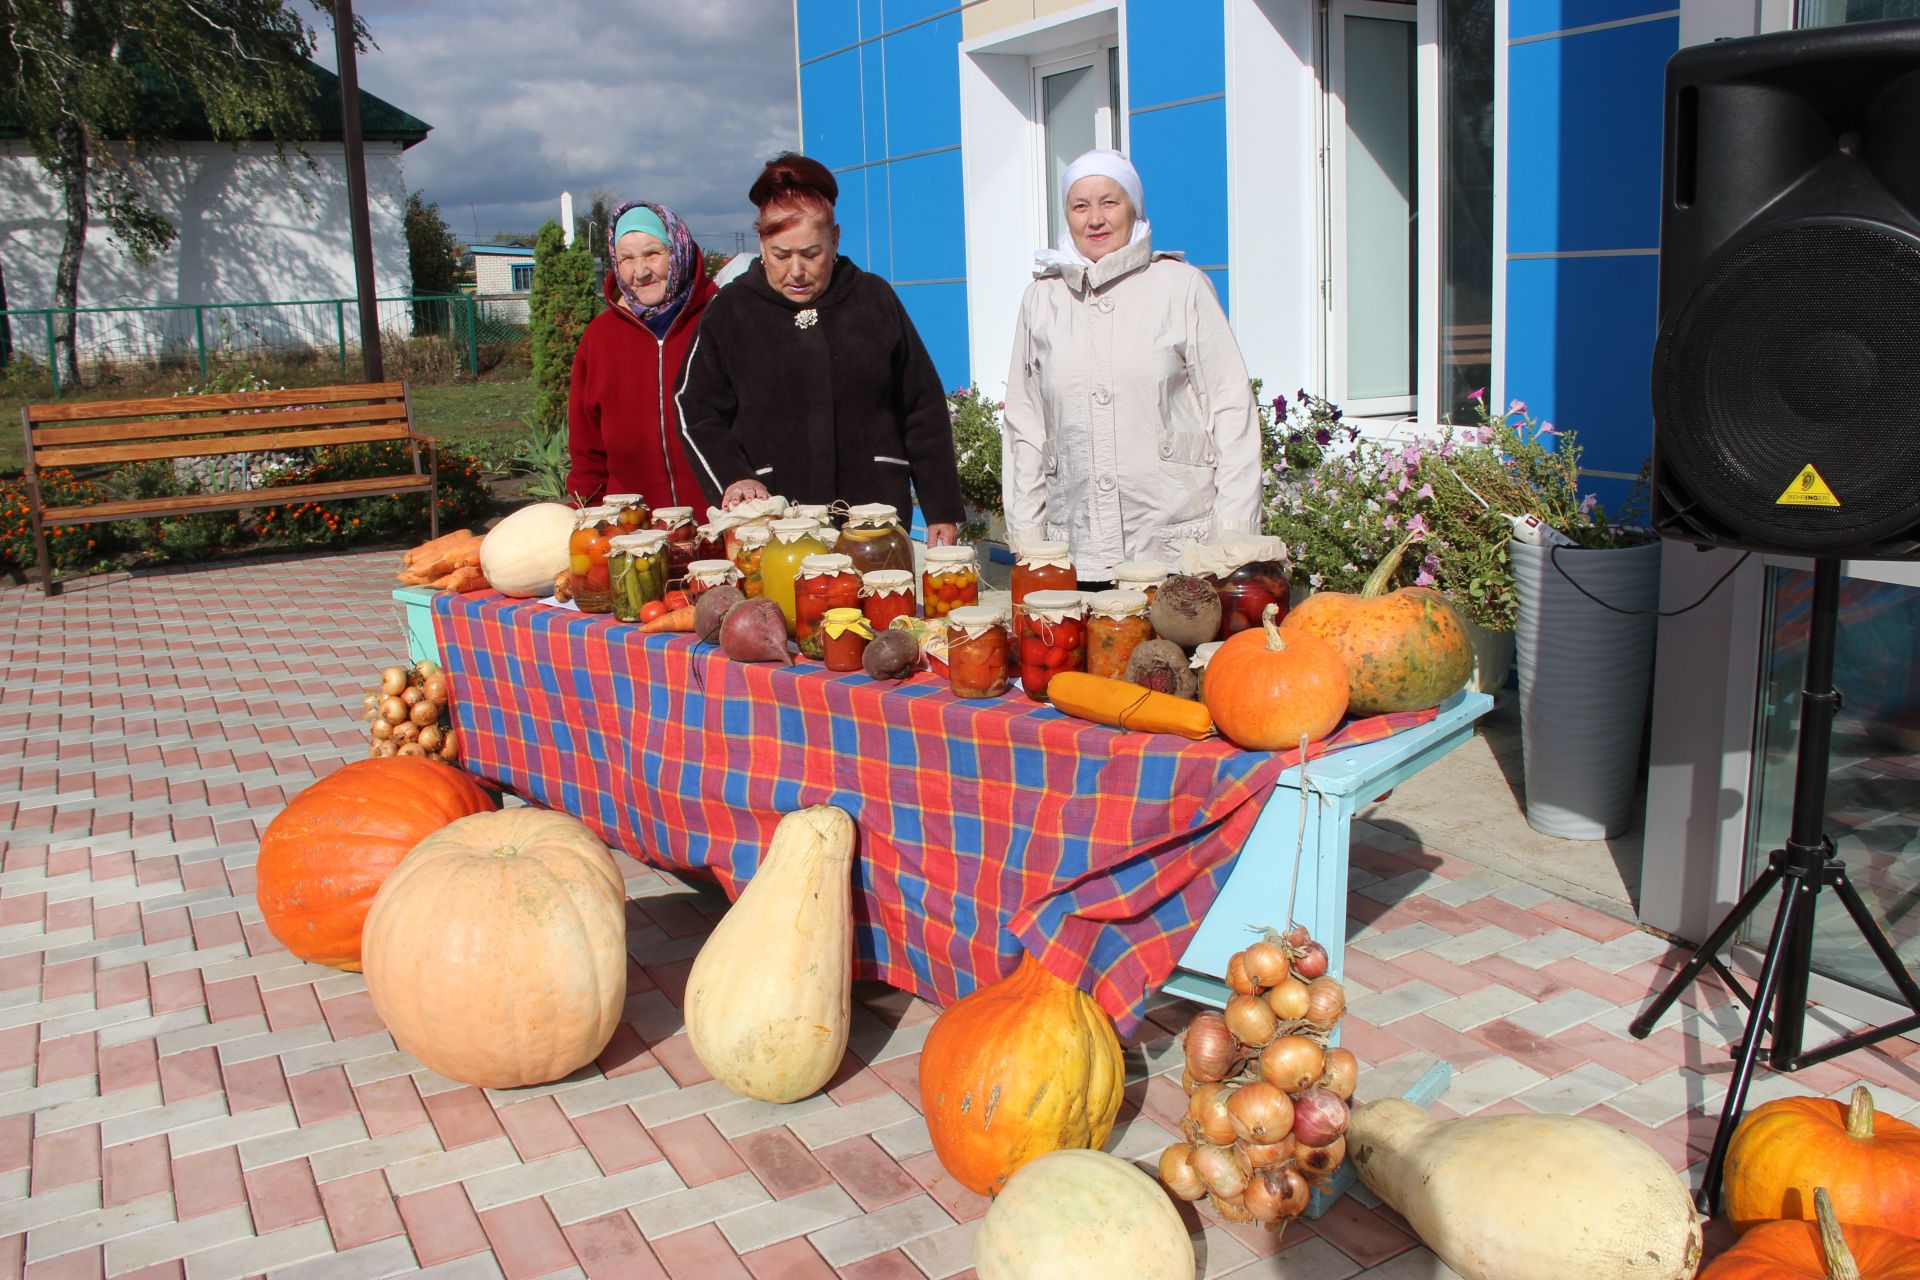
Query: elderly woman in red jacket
622	429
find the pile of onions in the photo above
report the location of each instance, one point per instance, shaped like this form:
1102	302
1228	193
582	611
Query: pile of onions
1267	1099
408	714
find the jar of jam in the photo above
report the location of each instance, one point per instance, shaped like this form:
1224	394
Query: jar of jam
1201	657
637	572
1116	623
634	515
825	581
793	540
874	540
1140	575
704	575
1042	566
844	634
749	544
677	524
886	594
1052	629
709	543
1247	591
977	645
594	528
950	581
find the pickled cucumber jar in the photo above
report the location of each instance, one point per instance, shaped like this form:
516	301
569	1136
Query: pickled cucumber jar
825	581
1116	625
634	515
677	524
1141	575
1042	566
977	648
886	594
587	549
749	544
951	580
873	539
793	540
704	575
637	572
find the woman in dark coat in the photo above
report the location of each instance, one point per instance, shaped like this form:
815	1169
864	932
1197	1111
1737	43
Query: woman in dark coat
807	379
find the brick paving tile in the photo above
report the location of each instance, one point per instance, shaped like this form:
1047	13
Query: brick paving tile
611	1247
282	1195
675	1053
869	1175
781	1162
255	1084
207	1183
788	1260
63	1159
135	1170
81	1264
441	1224
961	1203
701	1253
697	1151
321	1095
526	1240
616	1138
390	1106
16	1142
537	1127
891	1265
360	1209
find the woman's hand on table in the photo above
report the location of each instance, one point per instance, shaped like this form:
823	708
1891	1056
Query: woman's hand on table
742	491
943	535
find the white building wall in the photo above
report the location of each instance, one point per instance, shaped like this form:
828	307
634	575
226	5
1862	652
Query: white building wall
493	273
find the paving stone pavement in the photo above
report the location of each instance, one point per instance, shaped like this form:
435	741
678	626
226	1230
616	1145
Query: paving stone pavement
179	1097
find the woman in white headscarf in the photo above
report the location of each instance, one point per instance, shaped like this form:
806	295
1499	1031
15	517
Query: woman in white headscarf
1130	422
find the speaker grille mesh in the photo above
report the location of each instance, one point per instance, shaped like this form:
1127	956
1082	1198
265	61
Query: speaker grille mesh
1800	346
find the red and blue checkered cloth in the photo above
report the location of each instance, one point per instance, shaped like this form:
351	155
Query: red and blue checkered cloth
985	826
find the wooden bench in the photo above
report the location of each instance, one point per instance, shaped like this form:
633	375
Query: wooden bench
104	432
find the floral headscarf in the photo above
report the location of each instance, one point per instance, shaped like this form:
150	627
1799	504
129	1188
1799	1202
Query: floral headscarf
684	267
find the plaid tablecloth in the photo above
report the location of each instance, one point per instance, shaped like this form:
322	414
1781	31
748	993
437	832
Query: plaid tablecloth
985	826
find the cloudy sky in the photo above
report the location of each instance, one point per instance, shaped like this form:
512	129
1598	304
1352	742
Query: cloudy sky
678	101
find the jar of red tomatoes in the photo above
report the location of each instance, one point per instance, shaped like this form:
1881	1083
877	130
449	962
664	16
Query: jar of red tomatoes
1140	575
1042	566
977	647
749	544
710	542
844	635
886	594
677	524
1246	592
632	508
704	575
874	539
951	580
594	529
1116	624
1052	629
824	582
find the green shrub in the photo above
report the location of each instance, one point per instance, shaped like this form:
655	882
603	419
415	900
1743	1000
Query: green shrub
565	297
387	518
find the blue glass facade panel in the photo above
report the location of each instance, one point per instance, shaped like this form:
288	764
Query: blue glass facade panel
1538	17
879	257
898	13
873	99
939	312
830	126
1181	153
1218	279
1177	50
931	244
871	21
823	26
851	212
923	87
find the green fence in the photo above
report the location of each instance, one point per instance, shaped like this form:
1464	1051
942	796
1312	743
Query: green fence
449	335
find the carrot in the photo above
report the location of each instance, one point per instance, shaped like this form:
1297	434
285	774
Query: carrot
465	578
448	560
433	545
676	620
1107	701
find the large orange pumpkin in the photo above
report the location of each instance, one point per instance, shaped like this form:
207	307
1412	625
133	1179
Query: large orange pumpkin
497	950
1024	1066
1803	1251
1405	650
1786	1148
324	856
1266	690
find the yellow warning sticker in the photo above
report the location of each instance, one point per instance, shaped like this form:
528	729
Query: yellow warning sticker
1808	490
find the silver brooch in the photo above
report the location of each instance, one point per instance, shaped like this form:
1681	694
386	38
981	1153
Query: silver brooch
806	319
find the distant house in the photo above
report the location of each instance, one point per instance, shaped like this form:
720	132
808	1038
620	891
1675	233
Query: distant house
502	277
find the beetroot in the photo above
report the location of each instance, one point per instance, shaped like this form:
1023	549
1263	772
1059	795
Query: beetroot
1160	665
891	655
755	631
711	610
1186	610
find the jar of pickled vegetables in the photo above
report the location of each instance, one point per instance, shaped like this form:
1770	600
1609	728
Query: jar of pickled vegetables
749	544
951	580
1140	575
704	575
1247	591
1201	657
634	515
793	540
677	524
886	594
1052	630
637	572
1116	623
587	550
709	543
1042	566
844	634
977	645
825	581
874	540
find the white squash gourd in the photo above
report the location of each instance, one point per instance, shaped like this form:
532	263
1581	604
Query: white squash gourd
524	553
1082	1215
770	994
1524	1197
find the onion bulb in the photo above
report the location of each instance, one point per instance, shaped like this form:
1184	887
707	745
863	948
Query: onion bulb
1318	1163
393	680
426	668
1311	962
411	695
1260	1113
384	750
1264	1197
1210	1048
371	701
393	709
1326	1001
1251	1021
1288	999
450	745
1232	1209
1265	1155
1177	1171
411	749
429	737
1341	1076
1298	937
1318	1118
1294	1192
405	731
1238	978
1291	1063
373	751
1224	1169
381	729
435	687
1265	962
1208	1108
424	713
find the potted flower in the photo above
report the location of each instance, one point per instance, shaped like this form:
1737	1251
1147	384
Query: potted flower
976	447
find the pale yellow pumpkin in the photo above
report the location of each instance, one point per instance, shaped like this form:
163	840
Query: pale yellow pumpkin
496	952
1082	1215
523	554
770	995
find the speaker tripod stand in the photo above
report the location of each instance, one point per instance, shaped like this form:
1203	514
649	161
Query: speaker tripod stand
1801	869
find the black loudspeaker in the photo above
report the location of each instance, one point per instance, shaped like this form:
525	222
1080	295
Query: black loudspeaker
1786	375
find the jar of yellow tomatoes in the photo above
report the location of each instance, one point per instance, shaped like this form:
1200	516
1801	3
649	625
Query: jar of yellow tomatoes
794	539
633	514
594	528
951	580
1116	625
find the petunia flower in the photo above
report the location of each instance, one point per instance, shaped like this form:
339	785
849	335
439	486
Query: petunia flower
1417	524
1425	491
1517	409
1588	503
1425	579
1323	436
1481	394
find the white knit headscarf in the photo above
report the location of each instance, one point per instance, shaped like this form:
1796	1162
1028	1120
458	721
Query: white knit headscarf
1106	164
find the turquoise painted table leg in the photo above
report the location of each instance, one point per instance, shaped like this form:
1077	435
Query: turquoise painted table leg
416	615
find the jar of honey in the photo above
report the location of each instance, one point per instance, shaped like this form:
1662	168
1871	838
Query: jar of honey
1042	566
632	508
594	528
951	580
704	575
874	540
824	582
1141	575
886	594
749	544
1051	627
977	647
844	635
1116	624
637	572
793	540
677	524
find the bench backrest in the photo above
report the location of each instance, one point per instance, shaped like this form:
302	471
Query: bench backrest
83	434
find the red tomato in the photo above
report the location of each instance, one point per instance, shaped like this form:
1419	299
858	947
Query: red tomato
1033	652
677	600
651	610
597	576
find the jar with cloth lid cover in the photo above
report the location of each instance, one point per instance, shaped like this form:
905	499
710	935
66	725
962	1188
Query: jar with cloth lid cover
1052	632
749	544
1042	566
844	634
1116	625
637	569
825	581
886	594
977	652
594	528
794	539
951	580
873	539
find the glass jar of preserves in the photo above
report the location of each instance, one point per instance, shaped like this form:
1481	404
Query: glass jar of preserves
677	524
977	645
704	575
886	594
587	550
1247	591
637	572
844	634
819	512
951	580
825	581
874	540
829	537
1116	623
1042	566
709	543
749	544
1140	575
1201	657
1052	630
632	508
793	540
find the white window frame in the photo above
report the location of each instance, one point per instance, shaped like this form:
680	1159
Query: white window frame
1093	56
